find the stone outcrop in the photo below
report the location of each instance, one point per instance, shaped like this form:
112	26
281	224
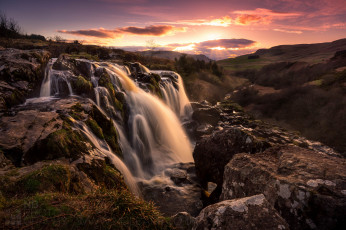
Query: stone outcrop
44	131
306	187
21	72
237	132
253	212
177	190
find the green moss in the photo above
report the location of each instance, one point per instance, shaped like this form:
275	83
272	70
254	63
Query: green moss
49	178
103	175
105	81
95	128
81	85
109	132
154	86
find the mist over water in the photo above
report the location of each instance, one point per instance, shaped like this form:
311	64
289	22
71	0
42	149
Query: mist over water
152	137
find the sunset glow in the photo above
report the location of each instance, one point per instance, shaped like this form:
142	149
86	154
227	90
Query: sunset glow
129	24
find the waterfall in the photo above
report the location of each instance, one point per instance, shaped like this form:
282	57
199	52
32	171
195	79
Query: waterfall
175	97
46	83
51	84
152	137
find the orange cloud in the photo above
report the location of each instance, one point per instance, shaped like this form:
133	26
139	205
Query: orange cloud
267	12
224	22
247	19
260	16
289	31
154	30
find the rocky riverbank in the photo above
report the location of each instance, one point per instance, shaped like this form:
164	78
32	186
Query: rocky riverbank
247	174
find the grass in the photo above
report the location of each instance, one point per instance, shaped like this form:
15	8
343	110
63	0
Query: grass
110	209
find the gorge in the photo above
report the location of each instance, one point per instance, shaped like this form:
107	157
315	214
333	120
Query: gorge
76	134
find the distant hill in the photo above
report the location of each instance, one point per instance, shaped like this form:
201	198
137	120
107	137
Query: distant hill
309	53
171	55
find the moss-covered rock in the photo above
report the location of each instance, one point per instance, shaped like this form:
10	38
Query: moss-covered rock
82	86
66	143
110	134
103	174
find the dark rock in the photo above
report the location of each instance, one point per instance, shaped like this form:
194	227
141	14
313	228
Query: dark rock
183	221
21	73
253	212
209	115
44	131
178	176
306	187
213	152
178	193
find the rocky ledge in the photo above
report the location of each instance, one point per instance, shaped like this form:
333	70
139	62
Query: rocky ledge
303	182
21	72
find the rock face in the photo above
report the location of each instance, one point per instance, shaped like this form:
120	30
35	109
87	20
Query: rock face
211	154
237	132
21	72
44	131
307	188
247	213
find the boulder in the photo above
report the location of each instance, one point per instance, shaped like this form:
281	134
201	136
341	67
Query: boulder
209	115
253	212
45	131
213	152
183	221
21	73
306	187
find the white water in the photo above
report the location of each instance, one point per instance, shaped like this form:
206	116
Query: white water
153	137
176	99
52	78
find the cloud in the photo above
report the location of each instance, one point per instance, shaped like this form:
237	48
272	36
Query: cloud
223	21
261	16
266	12
154	30
226	43
247	19
99	33
289	31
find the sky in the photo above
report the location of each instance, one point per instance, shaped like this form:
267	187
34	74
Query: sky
216	28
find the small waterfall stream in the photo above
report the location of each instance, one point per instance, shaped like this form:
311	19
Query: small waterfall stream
152	137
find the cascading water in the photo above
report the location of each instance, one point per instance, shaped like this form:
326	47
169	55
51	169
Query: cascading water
53	79
152	137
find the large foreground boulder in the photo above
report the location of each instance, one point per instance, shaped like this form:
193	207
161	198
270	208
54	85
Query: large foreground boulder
247	213
212	153
307	188
47	131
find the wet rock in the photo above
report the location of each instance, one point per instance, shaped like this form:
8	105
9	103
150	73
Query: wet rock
213	152
76	66
204	129
178	176
21	73
175	191
209	115
183	221
253	212
44	131
306	187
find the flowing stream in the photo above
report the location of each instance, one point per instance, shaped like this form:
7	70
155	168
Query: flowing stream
152	136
